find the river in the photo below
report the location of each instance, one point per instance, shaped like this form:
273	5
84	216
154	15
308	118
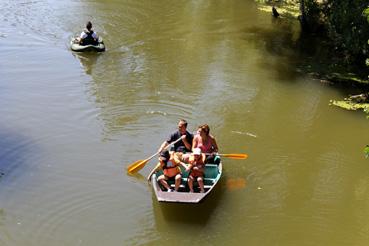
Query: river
71	123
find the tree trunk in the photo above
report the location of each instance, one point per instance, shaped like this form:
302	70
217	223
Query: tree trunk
302	17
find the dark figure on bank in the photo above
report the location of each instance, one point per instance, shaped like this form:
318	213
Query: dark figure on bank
361	98
88	36
275	13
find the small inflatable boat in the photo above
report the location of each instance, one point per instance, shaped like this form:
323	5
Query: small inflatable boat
75	46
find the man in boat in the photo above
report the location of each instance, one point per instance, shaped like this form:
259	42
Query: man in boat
169	163
88	36
197	169
185	144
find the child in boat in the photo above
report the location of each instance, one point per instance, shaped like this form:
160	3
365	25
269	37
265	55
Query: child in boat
88	36
206	143
197	169
169	163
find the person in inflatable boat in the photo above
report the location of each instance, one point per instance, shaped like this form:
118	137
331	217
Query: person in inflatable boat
88	36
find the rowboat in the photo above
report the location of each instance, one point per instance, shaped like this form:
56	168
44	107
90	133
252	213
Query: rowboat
213	172
99	47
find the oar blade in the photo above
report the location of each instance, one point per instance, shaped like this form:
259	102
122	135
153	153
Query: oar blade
136	166
236	156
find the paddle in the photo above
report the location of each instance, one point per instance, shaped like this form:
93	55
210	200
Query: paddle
138	165
233	156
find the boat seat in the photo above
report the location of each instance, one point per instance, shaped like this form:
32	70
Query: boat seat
211	173
206	181
181	186
184	181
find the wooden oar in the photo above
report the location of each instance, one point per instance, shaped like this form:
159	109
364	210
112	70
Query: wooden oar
138	165
232	156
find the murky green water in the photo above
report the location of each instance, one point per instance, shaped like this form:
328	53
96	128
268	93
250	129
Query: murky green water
70	123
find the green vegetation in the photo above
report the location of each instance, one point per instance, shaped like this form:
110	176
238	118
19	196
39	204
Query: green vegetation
366	14
366	151
350	105
344	27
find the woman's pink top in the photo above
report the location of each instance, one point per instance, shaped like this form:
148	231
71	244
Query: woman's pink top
206	147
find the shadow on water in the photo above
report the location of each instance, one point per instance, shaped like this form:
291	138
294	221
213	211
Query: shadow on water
87	60
190	214
280	42
138	178
291	52
14	150
2	216
173	221
2	219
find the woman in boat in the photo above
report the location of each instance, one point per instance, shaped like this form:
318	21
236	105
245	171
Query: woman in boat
197	169
88	36
206	143
169	163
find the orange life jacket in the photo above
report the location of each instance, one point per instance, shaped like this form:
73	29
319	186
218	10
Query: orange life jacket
200	163
171	169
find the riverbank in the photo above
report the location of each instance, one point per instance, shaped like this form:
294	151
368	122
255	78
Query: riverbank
325	60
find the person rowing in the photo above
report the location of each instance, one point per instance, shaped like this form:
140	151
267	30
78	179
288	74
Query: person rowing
185	145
